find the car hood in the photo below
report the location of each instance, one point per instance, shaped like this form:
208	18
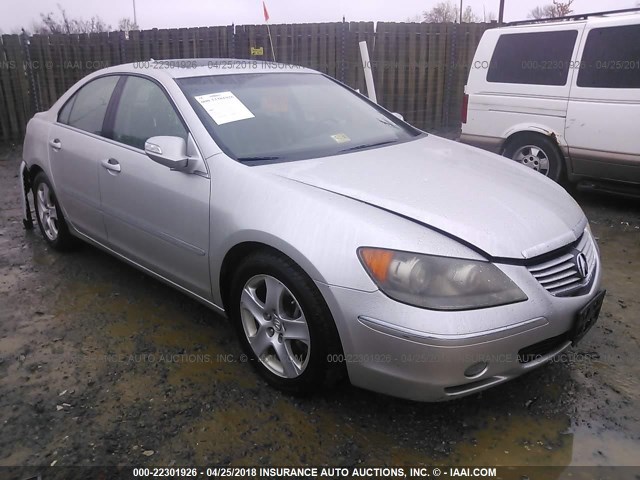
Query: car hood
494	204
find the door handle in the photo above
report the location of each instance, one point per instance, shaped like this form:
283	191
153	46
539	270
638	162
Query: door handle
55	144
111	164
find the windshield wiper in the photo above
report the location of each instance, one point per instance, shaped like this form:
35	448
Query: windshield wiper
368	145
257	159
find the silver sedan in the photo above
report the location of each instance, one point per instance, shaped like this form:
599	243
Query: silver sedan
340	241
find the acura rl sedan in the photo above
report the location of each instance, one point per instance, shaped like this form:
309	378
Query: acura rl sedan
340	241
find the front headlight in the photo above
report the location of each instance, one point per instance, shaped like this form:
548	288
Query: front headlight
439	283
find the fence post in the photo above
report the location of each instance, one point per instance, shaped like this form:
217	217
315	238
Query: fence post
232	49
34	93
453	61
343	41
123	36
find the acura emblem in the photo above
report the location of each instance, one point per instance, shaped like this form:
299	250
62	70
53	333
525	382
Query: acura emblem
582	265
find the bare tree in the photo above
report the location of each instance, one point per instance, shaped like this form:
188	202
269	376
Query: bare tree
469	16
126	25
552	10
562	9
541	12
50	23
490	17
447	11
417	18
444	11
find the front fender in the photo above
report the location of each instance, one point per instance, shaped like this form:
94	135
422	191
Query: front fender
319	230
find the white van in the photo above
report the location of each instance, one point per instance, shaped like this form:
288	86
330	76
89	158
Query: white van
561	97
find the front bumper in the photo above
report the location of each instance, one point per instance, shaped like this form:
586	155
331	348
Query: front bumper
425	355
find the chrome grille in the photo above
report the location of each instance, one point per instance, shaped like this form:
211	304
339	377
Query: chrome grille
560	276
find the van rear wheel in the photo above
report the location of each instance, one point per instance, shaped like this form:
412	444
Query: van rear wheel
538	153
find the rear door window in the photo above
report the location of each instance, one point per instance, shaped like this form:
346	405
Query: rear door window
533	58
87	108
611	58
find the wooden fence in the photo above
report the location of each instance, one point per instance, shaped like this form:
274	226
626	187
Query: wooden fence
419	68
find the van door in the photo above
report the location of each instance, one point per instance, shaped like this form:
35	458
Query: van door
604	107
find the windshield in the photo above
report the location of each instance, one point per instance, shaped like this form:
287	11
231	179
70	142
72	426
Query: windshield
289	116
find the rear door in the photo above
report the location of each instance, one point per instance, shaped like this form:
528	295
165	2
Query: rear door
157	217
75	145
604	109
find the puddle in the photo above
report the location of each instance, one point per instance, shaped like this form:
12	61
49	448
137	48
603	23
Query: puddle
520	440
604	447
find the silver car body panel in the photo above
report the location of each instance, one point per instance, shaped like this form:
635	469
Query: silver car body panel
425	187
428	195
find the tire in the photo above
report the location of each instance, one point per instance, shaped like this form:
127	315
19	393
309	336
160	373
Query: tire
537	152
284	324
51	221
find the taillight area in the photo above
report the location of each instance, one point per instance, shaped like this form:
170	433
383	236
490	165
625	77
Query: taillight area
465	108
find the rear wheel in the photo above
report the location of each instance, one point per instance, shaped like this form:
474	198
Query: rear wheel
284	325
51	221
538	153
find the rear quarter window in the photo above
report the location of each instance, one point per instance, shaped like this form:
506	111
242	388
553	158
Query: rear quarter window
533	58
611	58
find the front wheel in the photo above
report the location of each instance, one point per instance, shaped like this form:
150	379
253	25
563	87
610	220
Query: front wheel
284	324
538	153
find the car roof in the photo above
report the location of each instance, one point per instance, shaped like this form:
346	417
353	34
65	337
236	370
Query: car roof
200	67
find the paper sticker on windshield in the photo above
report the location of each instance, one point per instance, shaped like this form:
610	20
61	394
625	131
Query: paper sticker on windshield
340	138
224	107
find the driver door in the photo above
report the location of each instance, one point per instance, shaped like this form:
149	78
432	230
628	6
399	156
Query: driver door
156	217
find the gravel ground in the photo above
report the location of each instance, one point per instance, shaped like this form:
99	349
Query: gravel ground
102	365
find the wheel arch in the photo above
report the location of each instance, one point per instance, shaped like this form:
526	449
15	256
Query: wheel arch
240	250
532	128
34	170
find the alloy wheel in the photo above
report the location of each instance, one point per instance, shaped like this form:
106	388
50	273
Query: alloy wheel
275	326
47	211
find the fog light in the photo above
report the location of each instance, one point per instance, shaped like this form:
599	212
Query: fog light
476	370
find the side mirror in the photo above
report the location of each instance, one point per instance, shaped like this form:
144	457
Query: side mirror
398	115
168	151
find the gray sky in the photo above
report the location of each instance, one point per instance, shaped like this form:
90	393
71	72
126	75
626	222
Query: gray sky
191	13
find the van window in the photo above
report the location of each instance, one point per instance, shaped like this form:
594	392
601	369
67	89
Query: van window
611	58
535	58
